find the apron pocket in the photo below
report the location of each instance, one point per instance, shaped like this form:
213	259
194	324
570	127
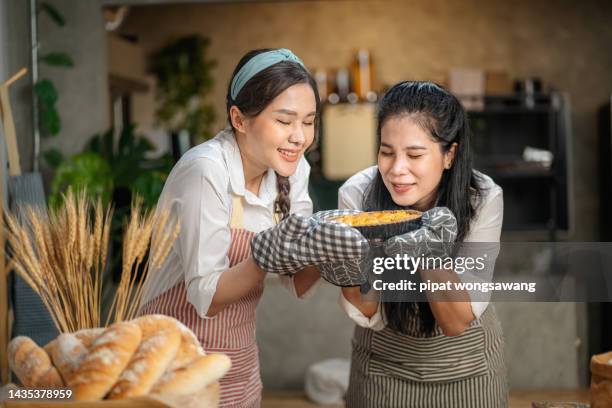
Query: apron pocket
428	359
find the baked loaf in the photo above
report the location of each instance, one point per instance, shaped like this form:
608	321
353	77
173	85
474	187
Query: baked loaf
88	336
108	357
189	349
160	342
202	371
66	353
32	365
152	354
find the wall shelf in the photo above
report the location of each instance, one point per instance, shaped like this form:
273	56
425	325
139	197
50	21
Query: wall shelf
536	197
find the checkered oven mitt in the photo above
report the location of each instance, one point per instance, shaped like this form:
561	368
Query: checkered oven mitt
435	238
347	272
299	241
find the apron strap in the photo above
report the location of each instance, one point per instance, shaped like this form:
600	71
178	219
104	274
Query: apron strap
236	219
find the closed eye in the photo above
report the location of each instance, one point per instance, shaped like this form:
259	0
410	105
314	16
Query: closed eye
308	123
282	122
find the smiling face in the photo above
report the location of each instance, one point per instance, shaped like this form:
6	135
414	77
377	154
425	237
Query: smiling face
278	136
411	162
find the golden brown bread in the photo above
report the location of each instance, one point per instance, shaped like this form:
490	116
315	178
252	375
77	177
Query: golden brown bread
88	336
32	365
74	347
153	354
109	355
189	349
191	370
160	342
202	371
66	352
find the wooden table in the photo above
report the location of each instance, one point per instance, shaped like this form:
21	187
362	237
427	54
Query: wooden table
518	398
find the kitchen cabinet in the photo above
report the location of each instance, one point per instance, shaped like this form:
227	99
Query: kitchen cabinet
536	193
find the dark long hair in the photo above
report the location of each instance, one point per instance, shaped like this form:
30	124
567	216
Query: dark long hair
258	92
441	115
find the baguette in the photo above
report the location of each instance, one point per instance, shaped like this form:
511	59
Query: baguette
108	357
160	342
85	336
88	336
66	352
189	349
202	371
32	365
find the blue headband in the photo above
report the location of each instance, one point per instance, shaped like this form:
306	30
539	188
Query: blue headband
257	64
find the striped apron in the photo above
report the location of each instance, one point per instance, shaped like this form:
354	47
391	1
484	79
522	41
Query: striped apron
395	370
231	331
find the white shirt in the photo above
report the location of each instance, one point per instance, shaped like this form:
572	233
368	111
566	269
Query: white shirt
199	192
484	227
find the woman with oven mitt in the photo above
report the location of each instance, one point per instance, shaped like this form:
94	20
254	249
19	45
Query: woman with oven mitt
435	238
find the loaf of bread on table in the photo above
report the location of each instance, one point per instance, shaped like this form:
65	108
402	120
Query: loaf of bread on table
32	365
88	336
66	353
202	371
153	354
68	349
189	349
108	356
160	341
191	369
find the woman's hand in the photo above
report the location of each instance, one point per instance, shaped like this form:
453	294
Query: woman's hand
298	242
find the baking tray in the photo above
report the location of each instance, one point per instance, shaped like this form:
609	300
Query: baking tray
390	229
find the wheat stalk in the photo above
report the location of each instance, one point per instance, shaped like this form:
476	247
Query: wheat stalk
62	254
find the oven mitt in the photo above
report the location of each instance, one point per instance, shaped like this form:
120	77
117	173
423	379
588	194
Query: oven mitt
352	272
299	241
435	238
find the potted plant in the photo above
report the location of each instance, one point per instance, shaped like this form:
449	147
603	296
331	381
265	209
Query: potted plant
184	79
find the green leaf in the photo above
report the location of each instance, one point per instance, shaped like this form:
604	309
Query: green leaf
53	13
127	139
94	144
149	185
84	170
107	146
184	79
46	92
58	59
50	120
53	157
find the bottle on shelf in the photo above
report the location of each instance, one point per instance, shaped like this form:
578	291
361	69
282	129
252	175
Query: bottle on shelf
363	74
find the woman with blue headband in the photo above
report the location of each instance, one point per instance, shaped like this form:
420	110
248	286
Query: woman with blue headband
249	183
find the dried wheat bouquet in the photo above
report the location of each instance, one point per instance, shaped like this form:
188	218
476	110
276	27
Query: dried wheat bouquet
62	254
